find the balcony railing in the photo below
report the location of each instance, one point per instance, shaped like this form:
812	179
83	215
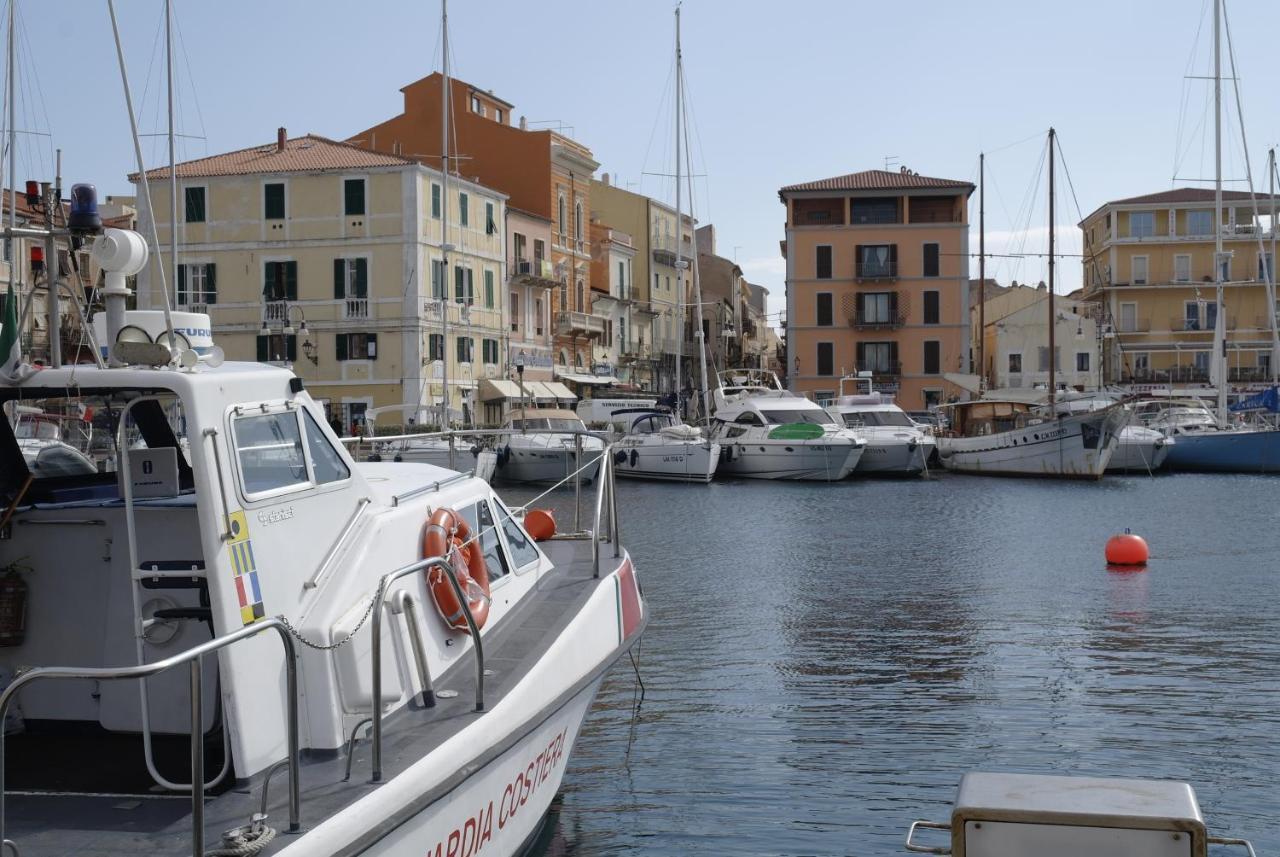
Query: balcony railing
579	324
1191	324
863	320
533	272
875	271
1141	325
194	307
355	308
275	311
881	370
1244	374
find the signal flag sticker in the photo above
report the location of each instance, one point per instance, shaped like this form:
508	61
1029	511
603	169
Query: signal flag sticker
248	590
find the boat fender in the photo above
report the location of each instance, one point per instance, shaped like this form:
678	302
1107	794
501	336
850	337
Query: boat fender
398	458
504	455
620	457
373	456
635	457
448	534
476	450
540	524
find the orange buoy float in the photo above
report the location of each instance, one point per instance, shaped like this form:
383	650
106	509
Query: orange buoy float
448	535
1127	549
540	524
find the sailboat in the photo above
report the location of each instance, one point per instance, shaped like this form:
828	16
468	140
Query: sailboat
1013	437
657	445
1215	445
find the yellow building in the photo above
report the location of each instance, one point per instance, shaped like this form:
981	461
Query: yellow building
349	242
1149	260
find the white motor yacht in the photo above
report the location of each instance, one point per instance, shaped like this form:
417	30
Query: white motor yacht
547	445
658	447
1138	449
896	445
273	648
766	432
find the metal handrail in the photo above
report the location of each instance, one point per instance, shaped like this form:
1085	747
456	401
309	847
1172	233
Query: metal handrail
376	650
190	656
314	580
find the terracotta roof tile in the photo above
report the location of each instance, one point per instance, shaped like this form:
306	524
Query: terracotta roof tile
878	180
1187	194
300	154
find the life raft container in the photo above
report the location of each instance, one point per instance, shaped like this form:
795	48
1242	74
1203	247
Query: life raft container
449	535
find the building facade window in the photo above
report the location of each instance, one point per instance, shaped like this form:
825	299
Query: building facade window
581	297
1082	361
350	278
489	350
488	290
822	264
463	213
537	316
1139	271
194	207
1199	222
577	224
1042	353
1182	268
825	313
560	223
878	357
1128	317
514	298
490	225
932	357
353	197
464	349
273	201
1141	361
435	201
435	346
1201	361
280	281
876	210
197	284
877	307
932	308
1266	269
877	260
463	286
356	346
1015	364
1142	224
476	106
826	358
931	261
437	279
277	348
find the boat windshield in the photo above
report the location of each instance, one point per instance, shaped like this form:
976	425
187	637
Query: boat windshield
878	418
544	423
817	417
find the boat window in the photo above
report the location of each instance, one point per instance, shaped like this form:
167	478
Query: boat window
269	447
878	418
523	550
480	518
817	417
748	418
326	463
566	424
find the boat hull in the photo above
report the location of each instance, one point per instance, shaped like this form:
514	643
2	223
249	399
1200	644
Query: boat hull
542	464
1069	447
1139	451
670	462
894	457
1230	451
820	461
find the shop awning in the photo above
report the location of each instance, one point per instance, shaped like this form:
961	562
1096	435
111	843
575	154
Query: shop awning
588	380
501	388
558	390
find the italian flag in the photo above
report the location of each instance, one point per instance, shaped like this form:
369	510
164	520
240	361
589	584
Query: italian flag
10	341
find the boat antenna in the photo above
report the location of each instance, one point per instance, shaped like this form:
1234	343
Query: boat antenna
444	215
982	271
1219	339
681	264
173	167
1052	318
142	176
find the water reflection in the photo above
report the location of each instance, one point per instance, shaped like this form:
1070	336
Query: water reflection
824	662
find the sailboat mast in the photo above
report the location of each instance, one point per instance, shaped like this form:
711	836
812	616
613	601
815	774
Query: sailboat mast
982	270
15	269
1219	339
700	335
173	176
444	215
680	260
1052	313
1271	270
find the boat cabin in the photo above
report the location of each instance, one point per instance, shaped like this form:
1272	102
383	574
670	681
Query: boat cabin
545	419
988	416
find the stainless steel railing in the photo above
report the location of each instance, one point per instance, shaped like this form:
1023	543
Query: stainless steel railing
193	657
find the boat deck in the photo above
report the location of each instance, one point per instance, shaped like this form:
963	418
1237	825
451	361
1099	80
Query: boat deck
118	824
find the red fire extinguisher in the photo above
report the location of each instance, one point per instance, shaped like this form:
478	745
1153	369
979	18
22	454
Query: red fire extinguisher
13	609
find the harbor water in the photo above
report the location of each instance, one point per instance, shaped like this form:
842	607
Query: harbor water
824	662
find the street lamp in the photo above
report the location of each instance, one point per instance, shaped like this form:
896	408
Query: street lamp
520	377
288	330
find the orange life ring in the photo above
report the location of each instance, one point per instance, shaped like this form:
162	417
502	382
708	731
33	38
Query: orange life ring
448	535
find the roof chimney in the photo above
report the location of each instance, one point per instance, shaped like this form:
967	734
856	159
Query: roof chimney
281	137
604	179
524	124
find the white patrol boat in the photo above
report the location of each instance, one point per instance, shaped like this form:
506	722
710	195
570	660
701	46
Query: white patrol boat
271	648
896	446
766	432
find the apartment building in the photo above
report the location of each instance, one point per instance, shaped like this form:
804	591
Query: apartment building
542	171
612	281
326	257
1149	260
877	280
1016	339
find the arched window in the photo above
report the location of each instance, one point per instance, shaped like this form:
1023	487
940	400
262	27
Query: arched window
577	225
564	294
581	298
560	219
564	357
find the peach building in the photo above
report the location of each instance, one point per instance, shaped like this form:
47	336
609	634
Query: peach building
542	171
877	280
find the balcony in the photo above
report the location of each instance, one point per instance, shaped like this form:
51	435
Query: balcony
579	324
664	248
864	320
533	272
636	353
1140	325
355	308
866	270
1248	374
1261	322
194	307
881	370
1190	324
276	311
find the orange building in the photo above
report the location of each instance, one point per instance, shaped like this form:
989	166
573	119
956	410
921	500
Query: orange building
543	172
877	280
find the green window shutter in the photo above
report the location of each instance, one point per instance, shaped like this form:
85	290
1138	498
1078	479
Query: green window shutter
362	278
291	348
210	283
435	201
291	281
263	349
459	285
353	196
194	199
269	271
489	226
273	201
340	345
462	209
183	299
373	346
339	279
488	289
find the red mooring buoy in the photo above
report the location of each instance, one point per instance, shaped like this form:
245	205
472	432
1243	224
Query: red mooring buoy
1127	549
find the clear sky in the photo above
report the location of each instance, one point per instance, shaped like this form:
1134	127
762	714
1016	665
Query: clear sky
779	93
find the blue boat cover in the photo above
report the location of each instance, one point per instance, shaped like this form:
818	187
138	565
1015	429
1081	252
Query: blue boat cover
1268	400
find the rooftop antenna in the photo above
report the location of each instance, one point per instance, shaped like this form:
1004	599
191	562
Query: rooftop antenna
890	161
